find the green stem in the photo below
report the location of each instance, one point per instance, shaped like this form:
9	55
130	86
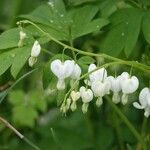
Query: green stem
135	64
48	52
139	146
56	140
125	120
118	131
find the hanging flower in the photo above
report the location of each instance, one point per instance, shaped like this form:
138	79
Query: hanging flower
144	101
128	85
98	75
115	88
76	73
87	96
100	89
62	70
74	96
36	49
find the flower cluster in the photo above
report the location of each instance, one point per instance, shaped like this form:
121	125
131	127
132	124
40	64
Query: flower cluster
97	85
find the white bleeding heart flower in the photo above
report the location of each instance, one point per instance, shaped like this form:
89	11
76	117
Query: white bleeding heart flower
76	72
32	61
100	89
115	88
128	85
74	96
98	75
87	96
144	101
62	70
36	49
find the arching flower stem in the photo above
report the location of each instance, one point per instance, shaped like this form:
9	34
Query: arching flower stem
135	64
127	122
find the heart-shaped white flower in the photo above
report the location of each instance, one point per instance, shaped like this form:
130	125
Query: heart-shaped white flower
100	88
115	88
144	101
115	83
62	70
75	95
128	84
98	75
86	94
36	49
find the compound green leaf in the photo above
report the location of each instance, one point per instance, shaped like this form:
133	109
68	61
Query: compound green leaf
146	27
124	32
22	54
6	59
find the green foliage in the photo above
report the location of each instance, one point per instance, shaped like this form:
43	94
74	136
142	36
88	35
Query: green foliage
124	32
26	106
120	28
63	24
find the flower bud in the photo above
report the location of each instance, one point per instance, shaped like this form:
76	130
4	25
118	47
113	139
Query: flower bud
36	49
73	106
75	96
86	94
32	61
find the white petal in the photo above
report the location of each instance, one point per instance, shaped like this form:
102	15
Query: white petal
75	95
68	68
97	75
116	98
148	99
91	67
86	94
115	83
137	105
124	99
143	96
147	113
123	77
100	88
76	72
130	85
36	49
61	84
57	68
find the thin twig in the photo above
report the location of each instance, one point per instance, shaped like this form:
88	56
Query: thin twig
21	136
